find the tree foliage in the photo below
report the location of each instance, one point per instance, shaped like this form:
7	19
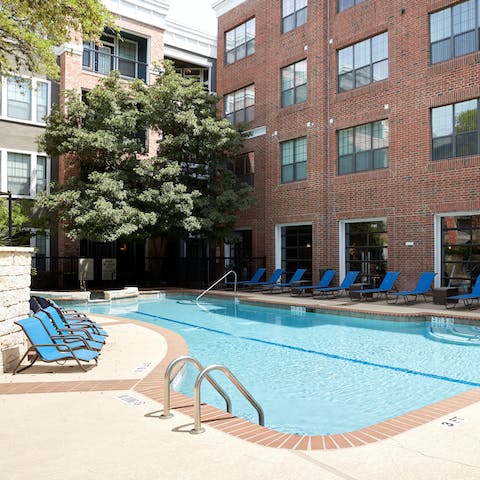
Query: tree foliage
204	146
29	29
20	219
119	191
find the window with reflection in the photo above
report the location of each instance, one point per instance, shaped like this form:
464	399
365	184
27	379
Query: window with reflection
240	42
244	168
460	250
344	4
294	14
293	158
363	63
294	83
455	130
364	147
454	31
240	105
296	249
366	250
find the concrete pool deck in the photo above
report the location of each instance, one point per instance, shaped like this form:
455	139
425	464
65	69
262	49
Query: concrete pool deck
104	423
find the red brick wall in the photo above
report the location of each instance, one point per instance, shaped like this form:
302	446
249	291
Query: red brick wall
413	188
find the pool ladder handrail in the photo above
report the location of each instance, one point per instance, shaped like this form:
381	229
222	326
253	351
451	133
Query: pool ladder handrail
168	383
223	277
205	373
197	401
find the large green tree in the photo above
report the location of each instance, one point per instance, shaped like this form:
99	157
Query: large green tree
29	29
117	192
204	146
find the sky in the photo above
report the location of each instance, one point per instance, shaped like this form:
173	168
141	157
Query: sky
197	13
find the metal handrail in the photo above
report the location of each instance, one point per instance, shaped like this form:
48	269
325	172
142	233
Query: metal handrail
168	382
204	374
218	281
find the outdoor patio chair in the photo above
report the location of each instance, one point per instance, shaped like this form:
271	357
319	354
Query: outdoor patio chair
255	278
275	287
48	351
375	293
327	277
74	319
347	282
423	286
274	278
467	298
74	338
87	329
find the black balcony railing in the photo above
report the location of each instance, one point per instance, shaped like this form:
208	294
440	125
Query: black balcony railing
104	62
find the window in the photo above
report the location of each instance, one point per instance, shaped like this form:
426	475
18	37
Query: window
240	105
455	130
40	240
244	168
460	250
363	63
19	98
344	4
126	53
18	171
294	160
240	42
296	242
454	31
42	101
364	147
366	245
41	171
24	99
294	14
24	173
294	83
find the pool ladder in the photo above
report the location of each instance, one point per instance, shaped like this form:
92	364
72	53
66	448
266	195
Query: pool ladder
204	373
216	282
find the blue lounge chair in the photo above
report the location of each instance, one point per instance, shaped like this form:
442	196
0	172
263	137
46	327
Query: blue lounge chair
274	278
255	278
327	277
75	338
275	287
347	282
375	293
68	316
422	288
467	298
47	351
86	329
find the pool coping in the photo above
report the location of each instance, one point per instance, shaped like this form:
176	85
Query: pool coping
152	386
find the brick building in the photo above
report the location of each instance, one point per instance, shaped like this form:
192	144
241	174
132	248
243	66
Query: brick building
364	133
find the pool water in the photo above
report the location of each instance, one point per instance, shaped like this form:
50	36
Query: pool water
311	373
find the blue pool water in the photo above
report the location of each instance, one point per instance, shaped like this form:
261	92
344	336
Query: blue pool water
311	373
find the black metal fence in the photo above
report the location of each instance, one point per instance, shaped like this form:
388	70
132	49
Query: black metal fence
189	272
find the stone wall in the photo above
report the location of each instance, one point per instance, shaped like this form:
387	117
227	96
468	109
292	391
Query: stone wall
15	277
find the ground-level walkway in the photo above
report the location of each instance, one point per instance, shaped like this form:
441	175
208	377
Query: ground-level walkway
60	422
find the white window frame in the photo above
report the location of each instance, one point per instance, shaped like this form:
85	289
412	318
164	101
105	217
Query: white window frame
341	239
33	171
33	105
278	239
437	239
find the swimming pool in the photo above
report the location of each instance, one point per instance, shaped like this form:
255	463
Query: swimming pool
312	373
